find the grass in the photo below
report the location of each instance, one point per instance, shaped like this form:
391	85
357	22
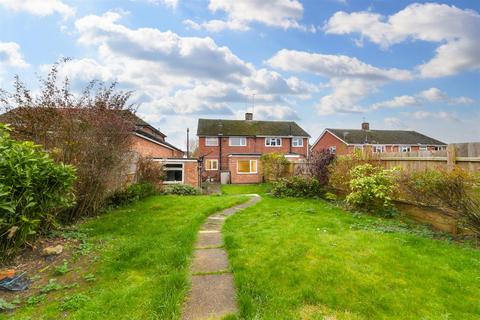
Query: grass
305	259
143	264
231	189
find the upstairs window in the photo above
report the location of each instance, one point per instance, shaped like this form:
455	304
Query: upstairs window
297	142
379	149
211	164
405	149
273	142
211	141
332	149
423	148
237	141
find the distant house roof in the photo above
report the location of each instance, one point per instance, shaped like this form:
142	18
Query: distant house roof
356	136
216	127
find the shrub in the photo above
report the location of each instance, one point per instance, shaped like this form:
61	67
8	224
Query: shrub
451	189
181	189
132	193
297	187
372	189
275	166
319	166
33	190
340	169
90	130
151	172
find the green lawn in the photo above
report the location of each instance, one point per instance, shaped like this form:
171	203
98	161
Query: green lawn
143	264
304	259
261	188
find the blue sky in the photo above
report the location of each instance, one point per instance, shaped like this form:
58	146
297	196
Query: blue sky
324	63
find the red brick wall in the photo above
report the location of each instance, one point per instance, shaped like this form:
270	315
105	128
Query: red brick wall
190	171
254	145
245	177
147	148
329	140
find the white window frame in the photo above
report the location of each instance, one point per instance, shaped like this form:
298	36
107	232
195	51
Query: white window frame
250	161
269	140
423	148
242	139
404	149
211	161
165	168
297	142
332	149
209	142
376	148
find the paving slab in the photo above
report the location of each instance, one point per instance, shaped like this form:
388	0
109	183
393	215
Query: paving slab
211	297
209	240
209	260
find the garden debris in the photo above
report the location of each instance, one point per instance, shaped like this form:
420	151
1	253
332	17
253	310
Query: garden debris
6	273
15	283
49	251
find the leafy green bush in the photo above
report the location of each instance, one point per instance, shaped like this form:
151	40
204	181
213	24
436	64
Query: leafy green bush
372	189
33	190
132	193
275	166
298	187
181	189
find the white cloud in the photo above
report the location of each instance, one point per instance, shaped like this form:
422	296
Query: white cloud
11	55
169	3
436	95
179	76
350	79
421	115
333	66
40	7
394	123
455	29
284	14
425	96
396	102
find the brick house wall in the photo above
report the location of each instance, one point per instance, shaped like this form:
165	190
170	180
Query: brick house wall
254	145
146	148
329	140
190	172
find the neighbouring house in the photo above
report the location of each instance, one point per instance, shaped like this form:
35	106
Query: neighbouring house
148	142
345	141
230	150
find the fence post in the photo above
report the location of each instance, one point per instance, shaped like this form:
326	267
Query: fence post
451	156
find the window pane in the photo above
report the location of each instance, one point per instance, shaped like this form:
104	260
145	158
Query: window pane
238	141
173	175
211	141
253	165
243	166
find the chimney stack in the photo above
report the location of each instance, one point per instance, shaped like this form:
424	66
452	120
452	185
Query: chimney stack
365	126
248	116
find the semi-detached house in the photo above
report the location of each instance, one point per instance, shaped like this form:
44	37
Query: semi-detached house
232	148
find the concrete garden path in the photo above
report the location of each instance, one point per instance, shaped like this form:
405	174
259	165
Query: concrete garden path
212	295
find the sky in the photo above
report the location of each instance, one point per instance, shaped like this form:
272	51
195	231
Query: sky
323	63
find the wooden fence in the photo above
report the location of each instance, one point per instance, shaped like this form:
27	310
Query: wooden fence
465	155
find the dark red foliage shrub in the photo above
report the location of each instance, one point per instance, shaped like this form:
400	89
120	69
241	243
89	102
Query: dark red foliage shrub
319	166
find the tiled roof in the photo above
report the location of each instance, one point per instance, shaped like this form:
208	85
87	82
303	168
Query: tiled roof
215	127
355	136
